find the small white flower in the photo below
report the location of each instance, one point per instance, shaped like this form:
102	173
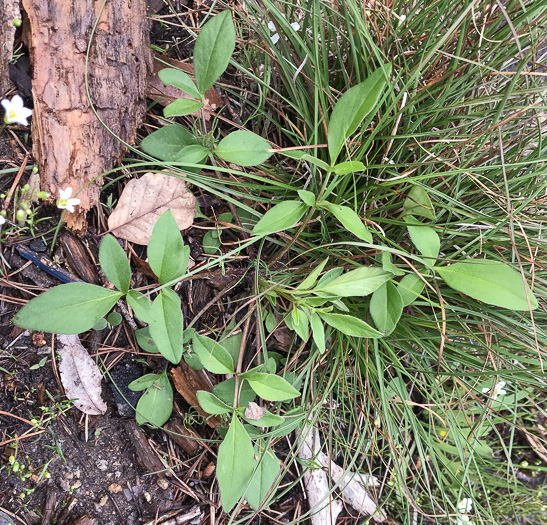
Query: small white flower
275	36
497	390
65	202
16	112
2	220
464	506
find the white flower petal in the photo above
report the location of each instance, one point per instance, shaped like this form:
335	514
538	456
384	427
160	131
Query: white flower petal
69	207
65	194
485	390
17	103
275	38
295	26
6	104
2	220
73	202
271	26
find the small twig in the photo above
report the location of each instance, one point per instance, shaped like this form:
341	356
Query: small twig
15	182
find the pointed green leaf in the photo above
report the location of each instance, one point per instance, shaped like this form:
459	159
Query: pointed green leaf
140	304
213	355
156	404
266	471
167	255
300	323
307	197
424	238
193	154
114	263
418	203
181	107
386	307
353	107
212	404
179	79
143	382
145	341
281	217
349	167
309	281
166	142
272	388
67	309
318	332
235	464
349	325
214	47
166	325
356	283
349	220
410	286
244	148
491	282
388	266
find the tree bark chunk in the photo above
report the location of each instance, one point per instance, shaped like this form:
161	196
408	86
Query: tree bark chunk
70	145
10	10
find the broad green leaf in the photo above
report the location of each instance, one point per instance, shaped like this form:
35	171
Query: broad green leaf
181	107
67	309
235	464
318	332
114	263
386	307
272	388
211	242
307	197
353	107
418	203
270	322
179	79
193	154
310	280
140	304
145	341
213	355
410	286
167	255
166	142
212	404
349	325
349	167
267	420
491	282
213	49
281	217
232	345
226	389
360	282
252	372
349	220
156	404
244	148
101	324
330	276
266	471
424	238
388	266
300	323
166	325
143	382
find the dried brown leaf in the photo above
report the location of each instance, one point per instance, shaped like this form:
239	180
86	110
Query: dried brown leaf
144	200
80	376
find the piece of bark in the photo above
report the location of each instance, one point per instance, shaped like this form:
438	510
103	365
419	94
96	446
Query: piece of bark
51	502
70	145
10	10
143	451
77	257
177	433
167	94
187	382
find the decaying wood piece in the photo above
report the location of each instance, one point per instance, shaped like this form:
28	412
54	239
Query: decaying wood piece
352	486
178	432
70	145
10	10
187	382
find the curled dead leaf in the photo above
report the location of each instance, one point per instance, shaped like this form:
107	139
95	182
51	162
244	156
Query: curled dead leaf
143	201
80	376
254	412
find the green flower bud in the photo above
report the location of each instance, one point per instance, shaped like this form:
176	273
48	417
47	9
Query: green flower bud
35	169
3	213
21	215
43	195
16	22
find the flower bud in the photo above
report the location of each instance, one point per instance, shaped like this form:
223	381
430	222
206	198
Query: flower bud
25	188
16	22
35	169
21	215
3	213
43	195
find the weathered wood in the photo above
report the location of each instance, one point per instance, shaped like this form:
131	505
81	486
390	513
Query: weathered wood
8	11
70	145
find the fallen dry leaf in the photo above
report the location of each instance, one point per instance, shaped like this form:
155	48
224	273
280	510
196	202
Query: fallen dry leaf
80	376
144	200
254	411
